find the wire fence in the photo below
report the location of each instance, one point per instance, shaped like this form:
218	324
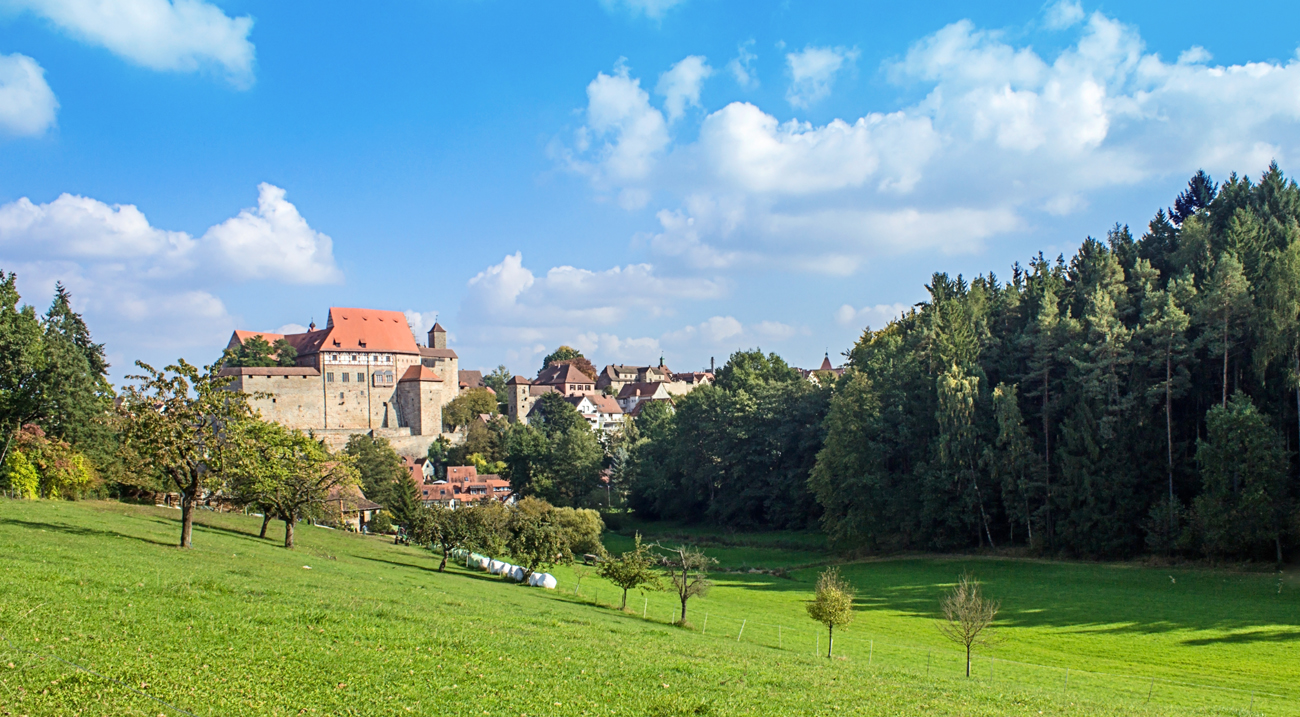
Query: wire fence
941	663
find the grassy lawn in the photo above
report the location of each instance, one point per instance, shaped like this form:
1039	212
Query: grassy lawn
238	625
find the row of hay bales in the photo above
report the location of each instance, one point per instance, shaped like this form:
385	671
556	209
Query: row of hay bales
499	567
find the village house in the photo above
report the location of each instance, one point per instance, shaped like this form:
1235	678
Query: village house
464	485
633	394
362	373
602	412
562	378
354	509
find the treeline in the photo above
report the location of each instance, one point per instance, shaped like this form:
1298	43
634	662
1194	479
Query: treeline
1143	396
57	432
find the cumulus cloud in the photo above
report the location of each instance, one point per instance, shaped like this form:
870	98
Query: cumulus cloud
623	137
27	103
813	71
680	86
1004	137
273	241
1062	14
153	288
653	9
420	323
741	66
510	307
175	35
877	316
727	332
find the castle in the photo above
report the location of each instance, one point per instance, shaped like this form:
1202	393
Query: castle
362	373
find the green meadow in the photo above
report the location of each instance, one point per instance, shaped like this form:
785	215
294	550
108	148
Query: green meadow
101	615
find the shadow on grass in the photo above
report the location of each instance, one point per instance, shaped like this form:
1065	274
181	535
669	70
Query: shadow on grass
1244	638
80	531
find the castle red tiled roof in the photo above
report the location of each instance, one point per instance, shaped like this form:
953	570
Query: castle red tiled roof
370	330
419	372
562	373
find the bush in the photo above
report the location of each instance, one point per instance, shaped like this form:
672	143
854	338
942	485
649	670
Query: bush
581	528
381	523
19	476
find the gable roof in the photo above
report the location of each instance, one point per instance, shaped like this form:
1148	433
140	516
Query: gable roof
470	379
419	372
640	390
371	330
826	364
518	381
427	352
606	404
562	373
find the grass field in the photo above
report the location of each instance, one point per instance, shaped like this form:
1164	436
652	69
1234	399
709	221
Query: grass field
238	625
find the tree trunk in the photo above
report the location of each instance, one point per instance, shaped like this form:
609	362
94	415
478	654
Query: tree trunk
1047	461
1277	541
187	512
830	641
968	660
684	610
266	520
1225	362
288	533
980	497
1169	438
443	565
624	605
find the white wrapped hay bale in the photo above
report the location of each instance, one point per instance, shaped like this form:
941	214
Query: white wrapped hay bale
517	574
547	581
533	580
480	562
495	567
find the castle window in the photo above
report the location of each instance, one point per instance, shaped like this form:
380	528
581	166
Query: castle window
345	376
361	377
329	377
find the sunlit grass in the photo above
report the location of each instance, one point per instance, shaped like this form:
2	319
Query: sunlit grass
238	625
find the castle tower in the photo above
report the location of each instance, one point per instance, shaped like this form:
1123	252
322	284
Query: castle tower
437	336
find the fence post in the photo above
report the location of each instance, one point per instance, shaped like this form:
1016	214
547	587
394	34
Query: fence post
1252	701
991	669
819	644
742	629
705	631
1149	689
778	637
927	662
645	607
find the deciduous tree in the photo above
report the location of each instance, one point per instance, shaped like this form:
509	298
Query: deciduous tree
832	604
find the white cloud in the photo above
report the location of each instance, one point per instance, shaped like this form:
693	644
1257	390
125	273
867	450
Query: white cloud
273	242
624	134
729	333
1004	137
148	288
680	85
508	307
291	329
177	35
420	323
813	71
870	316
1062	14
653	9
27	103
742	66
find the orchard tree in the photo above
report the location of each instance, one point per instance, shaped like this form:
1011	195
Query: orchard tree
968	615
181	423
832	604
630	570
536	539
468	407
687	568
288	473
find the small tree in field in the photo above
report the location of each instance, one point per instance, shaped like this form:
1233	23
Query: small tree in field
688	569
179	424
832	605
968	615
631	570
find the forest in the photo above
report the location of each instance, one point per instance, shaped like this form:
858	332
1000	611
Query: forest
1142	396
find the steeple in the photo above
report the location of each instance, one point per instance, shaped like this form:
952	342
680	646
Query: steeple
826	363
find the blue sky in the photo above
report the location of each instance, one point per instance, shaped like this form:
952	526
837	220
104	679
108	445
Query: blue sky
634	177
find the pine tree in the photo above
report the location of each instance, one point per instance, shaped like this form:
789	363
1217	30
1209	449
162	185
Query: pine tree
1164	330
1223	308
